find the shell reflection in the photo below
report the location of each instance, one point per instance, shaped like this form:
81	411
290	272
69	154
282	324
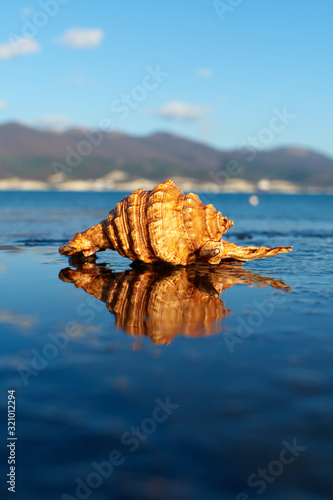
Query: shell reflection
162	302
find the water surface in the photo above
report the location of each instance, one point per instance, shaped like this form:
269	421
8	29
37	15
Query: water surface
197	377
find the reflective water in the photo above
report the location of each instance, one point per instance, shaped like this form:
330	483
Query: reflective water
201	383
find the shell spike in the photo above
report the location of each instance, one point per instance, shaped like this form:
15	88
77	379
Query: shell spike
232	251
88	242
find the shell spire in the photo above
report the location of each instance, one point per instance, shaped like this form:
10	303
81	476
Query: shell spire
164	225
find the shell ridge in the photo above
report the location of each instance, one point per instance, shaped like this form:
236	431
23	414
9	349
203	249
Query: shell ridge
138	226
106	233
137	242
159	237
127	236
185	227
113	232
192	244
118	222
170	246
152	224
192	214
145	227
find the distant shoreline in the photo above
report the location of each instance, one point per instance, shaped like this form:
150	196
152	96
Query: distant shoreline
235	185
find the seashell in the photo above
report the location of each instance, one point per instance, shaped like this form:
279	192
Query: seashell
164	225
164	302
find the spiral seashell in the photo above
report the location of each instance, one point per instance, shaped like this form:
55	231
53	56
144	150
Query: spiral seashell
164	302
164	225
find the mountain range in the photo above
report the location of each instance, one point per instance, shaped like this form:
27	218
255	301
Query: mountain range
35	154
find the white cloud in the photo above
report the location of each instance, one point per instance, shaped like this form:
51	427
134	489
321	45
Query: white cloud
53	122
3	104
18	47
81	37
204	73
177	110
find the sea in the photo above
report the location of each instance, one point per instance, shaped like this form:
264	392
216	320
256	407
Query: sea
121	381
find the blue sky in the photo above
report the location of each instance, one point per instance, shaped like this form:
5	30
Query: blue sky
217	72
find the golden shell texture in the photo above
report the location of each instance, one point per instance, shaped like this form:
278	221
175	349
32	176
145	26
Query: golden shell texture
164	225
164	302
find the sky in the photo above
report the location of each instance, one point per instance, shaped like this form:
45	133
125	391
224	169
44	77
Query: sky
231	73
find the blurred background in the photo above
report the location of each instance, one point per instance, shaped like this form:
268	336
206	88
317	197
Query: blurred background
226	96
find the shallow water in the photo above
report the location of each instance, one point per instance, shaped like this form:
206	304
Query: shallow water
243	354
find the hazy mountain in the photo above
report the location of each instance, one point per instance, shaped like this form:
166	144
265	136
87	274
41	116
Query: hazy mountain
30	154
